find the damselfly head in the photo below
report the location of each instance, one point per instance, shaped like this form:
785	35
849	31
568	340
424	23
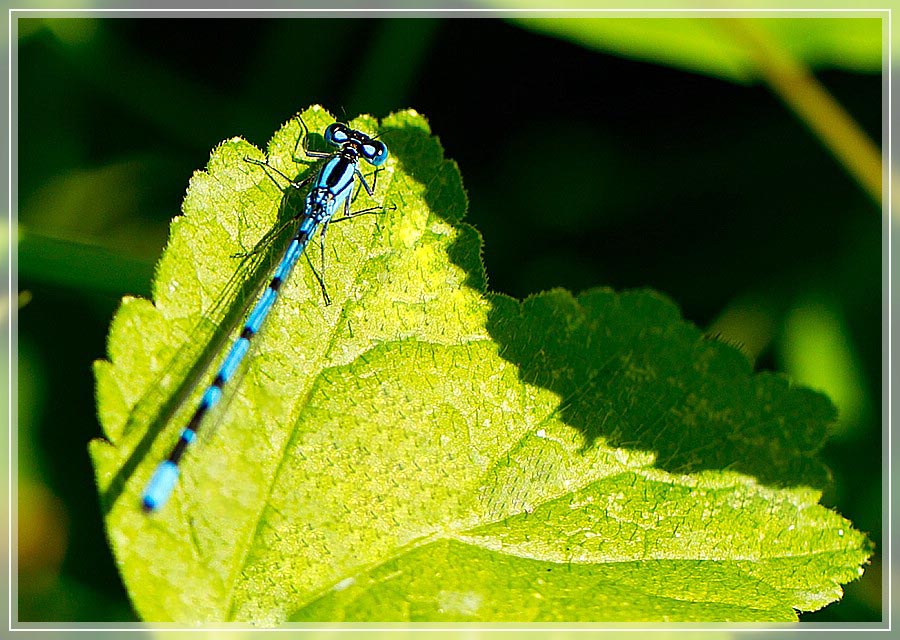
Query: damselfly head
373	151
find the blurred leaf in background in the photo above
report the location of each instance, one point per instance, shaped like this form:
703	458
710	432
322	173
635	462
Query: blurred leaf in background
815	351
702	45
708	190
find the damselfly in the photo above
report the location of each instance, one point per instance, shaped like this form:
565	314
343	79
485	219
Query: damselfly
332	187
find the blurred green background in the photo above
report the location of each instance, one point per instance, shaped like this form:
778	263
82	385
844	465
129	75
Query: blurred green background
627	153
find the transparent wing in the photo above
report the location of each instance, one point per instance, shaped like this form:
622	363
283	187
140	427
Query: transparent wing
184	371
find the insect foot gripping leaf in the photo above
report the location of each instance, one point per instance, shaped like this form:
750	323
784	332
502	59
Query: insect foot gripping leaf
418	451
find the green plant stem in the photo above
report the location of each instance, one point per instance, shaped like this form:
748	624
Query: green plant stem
794	83
78	266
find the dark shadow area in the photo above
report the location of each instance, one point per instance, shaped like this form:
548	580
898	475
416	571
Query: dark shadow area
631	373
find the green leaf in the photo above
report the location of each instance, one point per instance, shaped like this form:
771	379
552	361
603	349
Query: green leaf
421	451
712	46
816	349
